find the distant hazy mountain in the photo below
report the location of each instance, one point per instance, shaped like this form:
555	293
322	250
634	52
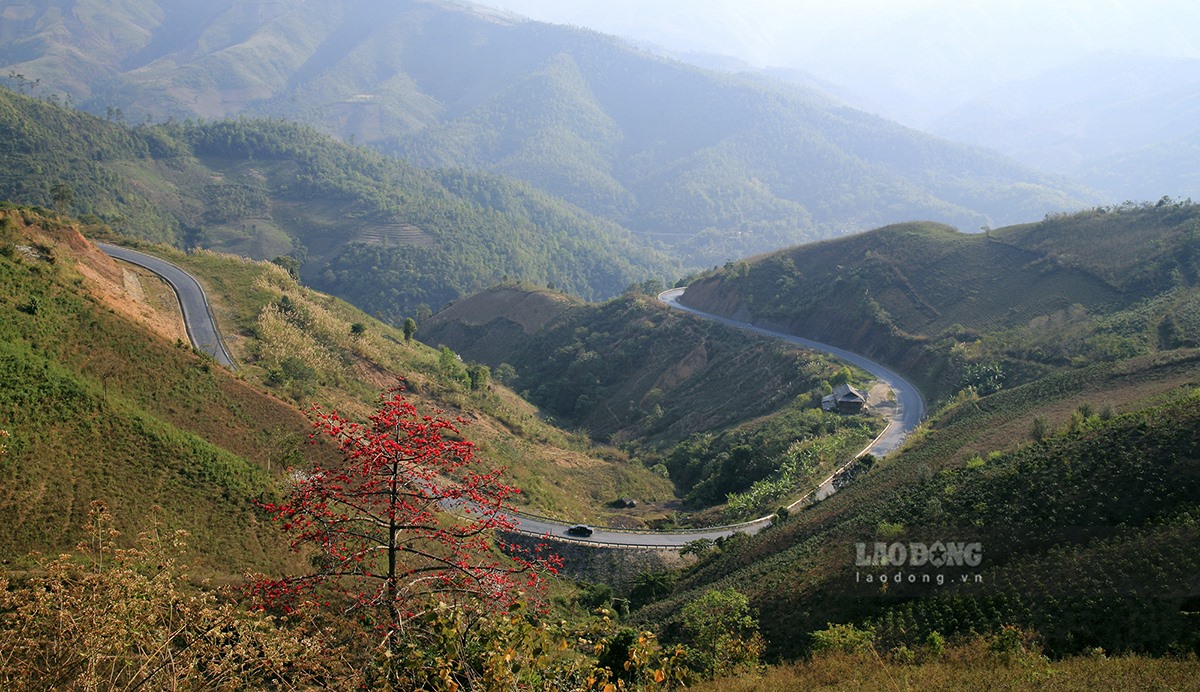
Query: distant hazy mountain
709	166
1127	125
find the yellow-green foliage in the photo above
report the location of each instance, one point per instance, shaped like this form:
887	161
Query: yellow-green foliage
107	618
103	617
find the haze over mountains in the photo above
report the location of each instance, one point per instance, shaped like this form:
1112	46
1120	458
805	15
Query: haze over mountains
710	167
1104	92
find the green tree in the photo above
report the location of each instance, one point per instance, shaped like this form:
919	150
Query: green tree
410	328
843	638
723	633
1040	429
451	366
478	375
505	374
650	586
63	196
290	264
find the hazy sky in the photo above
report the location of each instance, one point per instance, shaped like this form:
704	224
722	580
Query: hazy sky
910	56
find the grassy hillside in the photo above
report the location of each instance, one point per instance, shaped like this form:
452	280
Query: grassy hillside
304	345
381	233
972	665
954	310
710	166
99	407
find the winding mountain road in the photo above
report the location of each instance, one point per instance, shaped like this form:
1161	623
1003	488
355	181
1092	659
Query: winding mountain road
909	405
906	413
197	316
908	410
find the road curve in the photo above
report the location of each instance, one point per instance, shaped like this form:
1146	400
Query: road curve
906	415
909	407
197	316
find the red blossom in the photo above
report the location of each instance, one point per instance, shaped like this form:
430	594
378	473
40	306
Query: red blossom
405	515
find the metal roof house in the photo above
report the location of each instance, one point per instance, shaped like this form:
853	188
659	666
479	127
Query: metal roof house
844	399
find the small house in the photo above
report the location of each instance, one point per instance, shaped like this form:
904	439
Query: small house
844	399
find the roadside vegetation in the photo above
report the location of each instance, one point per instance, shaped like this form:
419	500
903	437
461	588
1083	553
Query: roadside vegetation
85	386
982	662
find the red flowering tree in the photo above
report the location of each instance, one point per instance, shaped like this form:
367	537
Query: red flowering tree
403	523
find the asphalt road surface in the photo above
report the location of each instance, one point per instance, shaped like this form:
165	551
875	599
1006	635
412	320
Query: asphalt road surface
631	539
197	317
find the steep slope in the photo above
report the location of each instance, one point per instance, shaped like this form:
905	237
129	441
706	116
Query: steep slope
100	407
381	233
607	367
102	400
710	166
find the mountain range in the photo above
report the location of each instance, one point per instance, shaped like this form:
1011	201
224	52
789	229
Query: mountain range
708	166
1125	125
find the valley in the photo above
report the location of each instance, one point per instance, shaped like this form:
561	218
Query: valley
904	409
350	344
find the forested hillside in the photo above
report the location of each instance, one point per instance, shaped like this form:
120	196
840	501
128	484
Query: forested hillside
381	233
711	167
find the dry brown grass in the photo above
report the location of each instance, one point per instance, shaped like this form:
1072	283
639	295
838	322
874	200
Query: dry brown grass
970	668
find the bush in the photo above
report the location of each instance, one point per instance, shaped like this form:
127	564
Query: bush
845	638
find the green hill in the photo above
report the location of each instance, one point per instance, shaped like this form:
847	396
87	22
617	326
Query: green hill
1087	533
98	407
708	166
953	309
381	233
1064	443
